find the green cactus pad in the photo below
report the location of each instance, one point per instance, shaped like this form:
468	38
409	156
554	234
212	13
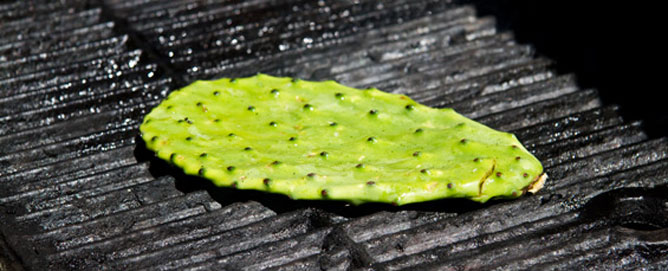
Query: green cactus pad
323	140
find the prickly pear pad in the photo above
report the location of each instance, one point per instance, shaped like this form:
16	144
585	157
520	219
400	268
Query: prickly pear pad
323	140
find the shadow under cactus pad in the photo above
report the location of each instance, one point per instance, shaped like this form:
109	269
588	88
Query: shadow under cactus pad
323	140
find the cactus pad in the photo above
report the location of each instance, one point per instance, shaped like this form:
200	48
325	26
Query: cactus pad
323	140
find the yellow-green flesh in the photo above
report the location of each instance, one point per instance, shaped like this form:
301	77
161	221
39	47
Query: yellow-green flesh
323	140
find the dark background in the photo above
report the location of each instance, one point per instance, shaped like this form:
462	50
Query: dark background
617	48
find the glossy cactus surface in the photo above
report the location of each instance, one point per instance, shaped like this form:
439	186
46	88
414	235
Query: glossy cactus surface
323	140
